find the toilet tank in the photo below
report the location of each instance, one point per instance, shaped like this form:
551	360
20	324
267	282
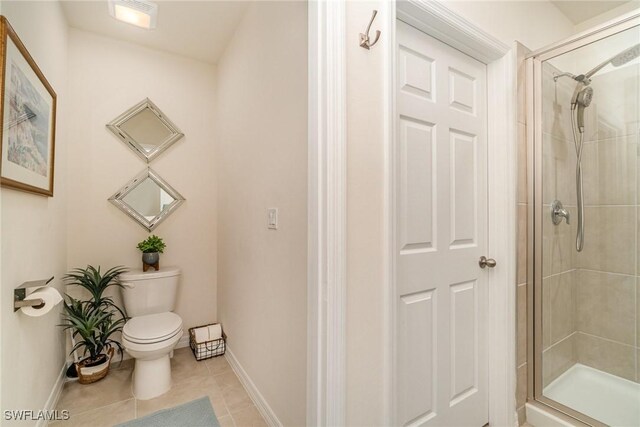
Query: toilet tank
149	292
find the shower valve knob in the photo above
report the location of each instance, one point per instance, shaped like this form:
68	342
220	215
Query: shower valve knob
486	262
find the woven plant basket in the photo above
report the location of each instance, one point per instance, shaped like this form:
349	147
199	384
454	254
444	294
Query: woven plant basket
94	373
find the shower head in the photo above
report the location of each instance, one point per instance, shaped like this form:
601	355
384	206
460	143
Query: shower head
626	56
585	96
619	59
583	100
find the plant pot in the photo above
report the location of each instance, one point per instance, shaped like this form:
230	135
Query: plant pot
89	372
150	259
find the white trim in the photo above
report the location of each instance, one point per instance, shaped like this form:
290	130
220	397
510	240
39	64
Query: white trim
255	395
326	349
54	396
389	215
503	177
436	20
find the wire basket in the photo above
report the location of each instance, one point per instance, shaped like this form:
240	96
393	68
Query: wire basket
207	349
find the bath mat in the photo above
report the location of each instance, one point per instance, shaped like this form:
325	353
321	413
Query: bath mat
197	413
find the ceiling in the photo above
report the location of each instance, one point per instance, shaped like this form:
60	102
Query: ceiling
196	29
580	11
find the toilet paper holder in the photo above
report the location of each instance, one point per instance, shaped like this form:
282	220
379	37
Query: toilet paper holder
22	291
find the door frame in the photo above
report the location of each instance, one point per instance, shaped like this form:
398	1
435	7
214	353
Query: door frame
438	21
327	142
327	214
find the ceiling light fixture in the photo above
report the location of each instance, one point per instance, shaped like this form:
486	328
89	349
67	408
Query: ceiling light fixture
141	13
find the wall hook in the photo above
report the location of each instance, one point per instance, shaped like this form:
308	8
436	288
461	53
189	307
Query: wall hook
364	38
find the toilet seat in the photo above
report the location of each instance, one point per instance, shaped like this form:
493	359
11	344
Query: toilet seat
152	328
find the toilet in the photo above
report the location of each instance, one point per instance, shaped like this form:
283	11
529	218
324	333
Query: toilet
153	330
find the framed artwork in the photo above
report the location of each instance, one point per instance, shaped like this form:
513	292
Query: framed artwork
28	116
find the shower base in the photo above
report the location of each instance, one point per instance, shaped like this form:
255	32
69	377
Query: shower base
602	396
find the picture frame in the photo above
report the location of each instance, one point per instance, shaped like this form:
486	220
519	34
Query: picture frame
27	119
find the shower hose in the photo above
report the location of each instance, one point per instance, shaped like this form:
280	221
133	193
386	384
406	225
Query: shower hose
578	142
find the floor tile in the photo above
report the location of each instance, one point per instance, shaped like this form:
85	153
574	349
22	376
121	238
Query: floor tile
226	421
106	416
110	401
236	398
218	365
185	367
248	417
184	392
78	398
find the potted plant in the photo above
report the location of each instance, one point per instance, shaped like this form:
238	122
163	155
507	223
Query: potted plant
151	249
94	321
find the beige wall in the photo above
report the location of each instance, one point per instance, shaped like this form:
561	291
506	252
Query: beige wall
34	229
262	163
507	21
106	78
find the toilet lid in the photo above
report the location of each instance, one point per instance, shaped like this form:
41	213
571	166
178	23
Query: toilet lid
152	327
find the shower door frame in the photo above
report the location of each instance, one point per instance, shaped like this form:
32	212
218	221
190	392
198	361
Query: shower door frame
536	209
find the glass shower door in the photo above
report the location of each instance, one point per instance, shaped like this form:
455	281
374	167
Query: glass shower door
587	291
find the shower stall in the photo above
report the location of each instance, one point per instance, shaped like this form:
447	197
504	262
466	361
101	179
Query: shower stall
584	234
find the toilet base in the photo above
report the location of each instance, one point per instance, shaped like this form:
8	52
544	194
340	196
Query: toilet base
151	378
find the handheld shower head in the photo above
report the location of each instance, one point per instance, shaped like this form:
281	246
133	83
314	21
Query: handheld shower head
585	96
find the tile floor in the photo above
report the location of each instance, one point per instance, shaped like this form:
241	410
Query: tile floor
110	401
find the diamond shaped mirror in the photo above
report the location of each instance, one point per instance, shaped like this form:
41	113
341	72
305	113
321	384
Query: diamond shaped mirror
148	199
146	130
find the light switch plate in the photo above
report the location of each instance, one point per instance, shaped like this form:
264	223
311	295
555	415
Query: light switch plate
272	218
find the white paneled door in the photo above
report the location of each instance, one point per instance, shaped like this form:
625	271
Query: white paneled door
441	373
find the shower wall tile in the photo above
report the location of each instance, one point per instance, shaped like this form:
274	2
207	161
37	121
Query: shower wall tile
605	355
610	171
521	326
638	319
522	164
522	248
562	294
558	245
521	266
546	313
607	305
556	103
558	358
521	83
559	170
521	386
609	239
614	111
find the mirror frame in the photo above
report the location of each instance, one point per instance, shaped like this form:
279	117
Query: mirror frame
115	126
118	199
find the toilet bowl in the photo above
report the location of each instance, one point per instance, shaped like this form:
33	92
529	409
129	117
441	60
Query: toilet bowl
153	330
149	340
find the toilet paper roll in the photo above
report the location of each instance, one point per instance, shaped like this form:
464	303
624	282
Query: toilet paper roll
51	298
202	335
215	332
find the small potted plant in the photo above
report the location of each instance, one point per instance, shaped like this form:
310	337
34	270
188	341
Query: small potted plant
94	321
151	249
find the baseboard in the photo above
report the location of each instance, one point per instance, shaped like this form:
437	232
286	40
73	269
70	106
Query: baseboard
54	396
255	395
184	341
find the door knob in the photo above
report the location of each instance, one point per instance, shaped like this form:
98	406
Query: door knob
486	262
